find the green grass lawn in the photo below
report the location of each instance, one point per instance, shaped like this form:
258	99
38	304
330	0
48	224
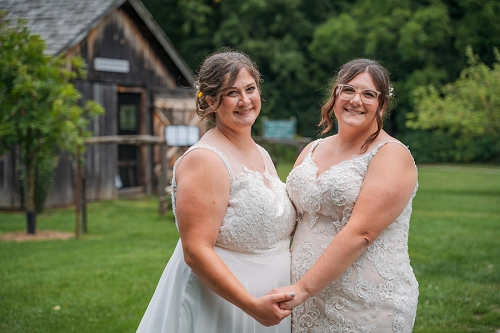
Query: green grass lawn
455	249
103	282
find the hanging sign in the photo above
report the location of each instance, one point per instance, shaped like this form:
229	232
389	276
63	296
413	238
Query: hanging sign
279	129
111	65
182	135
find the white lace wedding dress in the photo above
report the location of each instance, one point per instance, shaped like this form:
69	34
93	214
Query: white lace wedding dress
253	241
378	292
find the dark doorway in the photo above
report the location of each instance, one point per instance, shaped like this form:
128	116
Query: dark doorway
129	106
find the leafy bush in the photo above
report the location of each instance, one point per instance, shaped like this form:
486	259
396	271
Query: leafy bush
441	147
468	109
281	153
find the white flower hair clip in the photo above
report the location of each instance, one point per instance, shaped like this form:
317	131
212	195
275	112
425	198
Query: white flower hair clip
391	91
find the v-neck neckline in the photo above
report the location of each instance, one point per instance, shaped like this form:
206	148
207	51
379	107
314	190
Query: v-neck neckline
353	158
255	171
249	170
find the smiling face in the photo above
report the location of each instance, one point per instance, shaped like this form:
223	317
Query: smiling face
240	104
353	112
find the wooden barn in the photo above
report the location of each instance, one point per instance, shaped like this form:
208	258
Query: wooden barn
134	72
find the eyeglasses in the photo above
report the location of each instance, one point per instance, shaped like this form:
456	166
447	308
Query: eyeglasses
368	96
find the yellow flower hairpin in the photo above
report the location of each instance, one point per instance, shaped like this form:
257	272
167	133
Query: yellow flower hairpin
200	94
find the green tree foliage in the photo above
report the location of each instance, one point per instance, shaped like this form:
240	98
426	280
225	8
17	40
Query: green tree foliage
274	33
468	107
44	178
189	24
412	40
299	44
39	114
475	24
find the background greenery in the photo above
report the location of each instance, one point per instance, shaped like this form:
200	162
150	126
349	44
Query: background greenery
104	281
300	44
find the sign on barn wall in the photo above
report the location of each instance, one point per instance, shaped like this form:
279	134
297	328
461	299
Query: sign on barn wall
111	65
182	135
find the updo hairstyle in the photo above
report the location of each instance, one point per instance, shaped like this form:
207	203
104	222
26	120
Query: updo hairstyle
217	73
346	73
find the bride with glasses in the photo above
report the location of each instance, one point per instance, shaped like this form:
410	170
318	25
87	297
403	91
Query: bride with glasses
353	193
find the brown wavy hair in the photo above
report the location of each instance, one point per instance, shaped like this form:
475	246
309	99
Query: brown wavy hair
346	73
217	73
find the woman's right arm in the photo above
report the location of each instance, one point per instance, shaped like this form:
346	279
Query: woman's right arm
202	197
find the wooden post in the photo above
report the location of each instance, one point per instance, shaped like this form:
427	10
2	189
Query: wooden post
162	183
77	192
84	201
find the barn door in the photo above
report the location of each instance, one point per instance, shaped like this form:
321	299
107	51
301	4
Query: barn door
129	105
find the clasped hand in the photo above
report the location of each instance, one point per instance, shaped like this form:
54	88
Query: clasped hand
266	309
298	296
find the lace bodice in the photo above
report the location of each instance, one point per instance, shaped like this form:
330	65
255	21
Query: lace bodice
259	218
378	292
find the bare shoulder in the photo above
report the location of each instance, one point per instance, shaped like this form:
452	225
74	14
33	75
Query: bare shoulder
303	153
396	151
394	160
201	164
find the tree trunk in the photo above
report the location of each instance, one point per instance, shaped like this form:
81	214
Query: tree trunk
30	202
31	222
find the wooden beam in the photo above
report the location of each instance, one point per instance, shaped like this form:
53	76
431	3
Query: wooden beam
162	181
293	142
135	140
162	117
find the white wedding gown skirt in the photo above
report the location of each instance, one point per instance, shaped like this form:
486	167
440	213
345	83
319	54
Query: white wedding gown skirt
254	243
183	303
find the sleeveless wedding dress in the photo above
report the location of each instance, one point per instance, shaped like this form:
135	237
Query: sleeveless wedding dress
378	292
253	241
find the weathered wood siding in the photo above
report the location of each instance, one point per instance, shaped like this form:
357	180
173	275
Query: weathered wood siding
101	160
118	36
62	193
10	186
